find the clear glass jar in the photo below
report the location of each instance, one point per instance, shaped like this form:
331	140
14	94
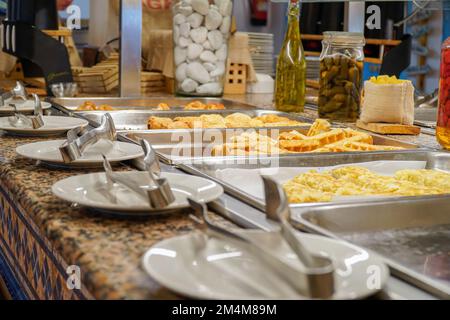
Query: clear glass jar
201	30
341	72
443	122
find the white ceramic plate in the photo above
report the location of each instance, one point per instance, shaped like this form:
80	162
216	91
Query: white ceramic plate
201	268
23	107
92	191
52	126
48	152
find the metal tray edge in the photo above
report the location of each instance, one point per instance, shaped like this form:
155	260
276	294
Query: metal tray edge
397	269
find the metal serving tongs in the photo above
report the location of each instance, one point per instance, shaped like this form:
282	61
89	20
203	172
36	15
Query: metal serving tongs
18	92
75	145
319	269
36	121
157	191
300	279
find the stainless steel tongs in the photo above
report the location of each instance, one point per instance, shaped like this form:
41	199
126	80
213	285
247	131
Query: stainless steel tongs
36	121
75	145
300	279
157	190
18	92
320	269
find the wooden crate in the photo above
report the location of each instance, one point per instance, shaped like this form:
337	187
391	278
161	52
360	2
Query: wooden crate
96	79
151	76
170	85
152	82
236	79
101	78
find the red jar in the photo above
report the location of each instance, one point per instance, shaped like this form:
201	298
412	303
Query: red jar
443	122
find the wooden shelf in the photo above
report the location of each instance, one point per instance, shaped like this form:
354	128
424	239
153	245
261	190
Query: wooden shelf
373	60
312	53
376	42
380	42
62	32
312	37
317	54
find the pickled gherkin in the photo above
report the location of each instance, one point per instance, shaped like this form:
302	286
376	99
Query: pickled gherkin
290	86
340	88
341	70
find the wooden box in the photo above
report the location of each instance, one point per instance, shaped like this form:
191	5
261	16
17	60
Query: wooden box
236	79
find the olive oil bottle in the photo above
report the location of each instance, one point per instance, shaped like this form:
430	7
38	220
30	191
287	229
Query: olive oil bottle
290	85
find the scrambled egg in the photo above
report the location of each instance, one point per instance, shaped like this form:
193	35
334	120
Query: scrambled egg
386	80
313	186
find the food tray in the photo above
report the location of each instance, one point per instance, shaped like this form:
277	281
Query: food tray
176	104
208	167
413	236
175	147
131	120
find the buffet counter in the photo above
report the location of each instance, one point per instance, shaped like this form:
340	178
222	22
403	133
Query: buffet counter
41	236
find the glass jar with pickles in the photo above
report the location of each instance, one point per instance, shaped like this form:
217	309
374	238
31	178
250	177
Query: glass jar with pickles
341	71
443	123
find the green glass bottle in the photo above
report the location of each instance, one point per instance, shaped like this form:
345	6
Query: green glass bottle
290	85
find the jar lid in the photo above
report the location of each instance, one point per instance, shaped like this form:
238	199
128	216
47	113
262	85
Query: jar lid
340	37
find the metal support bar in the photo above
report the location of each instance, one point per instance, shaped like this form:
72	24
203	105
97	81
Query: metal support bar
355	15
130	47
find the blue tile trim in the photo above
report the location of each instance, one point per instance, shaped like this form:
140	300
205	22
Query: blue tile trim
16	265
12	284
38	239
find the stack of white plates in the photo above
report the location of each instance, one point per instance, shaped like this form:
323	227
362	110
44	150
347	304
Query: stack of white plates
312	68
262	51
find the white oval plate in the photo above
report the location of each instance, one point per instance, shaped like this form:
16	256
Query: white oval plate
48	152
23	107
52	125
201	268
92	191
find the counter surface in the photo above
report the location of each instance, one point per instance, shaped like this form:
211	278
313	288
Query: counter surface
40	235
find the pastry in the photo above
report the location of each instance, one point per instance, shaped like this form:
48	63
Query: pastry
318	127
91	106
156	123
235	120
163	107
328	140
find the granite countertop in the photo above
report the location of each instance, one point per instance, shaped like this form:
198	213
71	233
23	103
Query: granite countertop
108	250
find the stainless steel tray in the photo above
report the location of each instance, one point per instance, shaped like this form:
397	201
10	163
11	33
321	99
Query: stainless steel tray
426	117
412	235
248	217
147	103
208	167
130	120
185	145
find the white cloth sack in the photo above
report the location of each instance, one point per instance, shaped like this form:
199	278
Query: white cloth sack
389	103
